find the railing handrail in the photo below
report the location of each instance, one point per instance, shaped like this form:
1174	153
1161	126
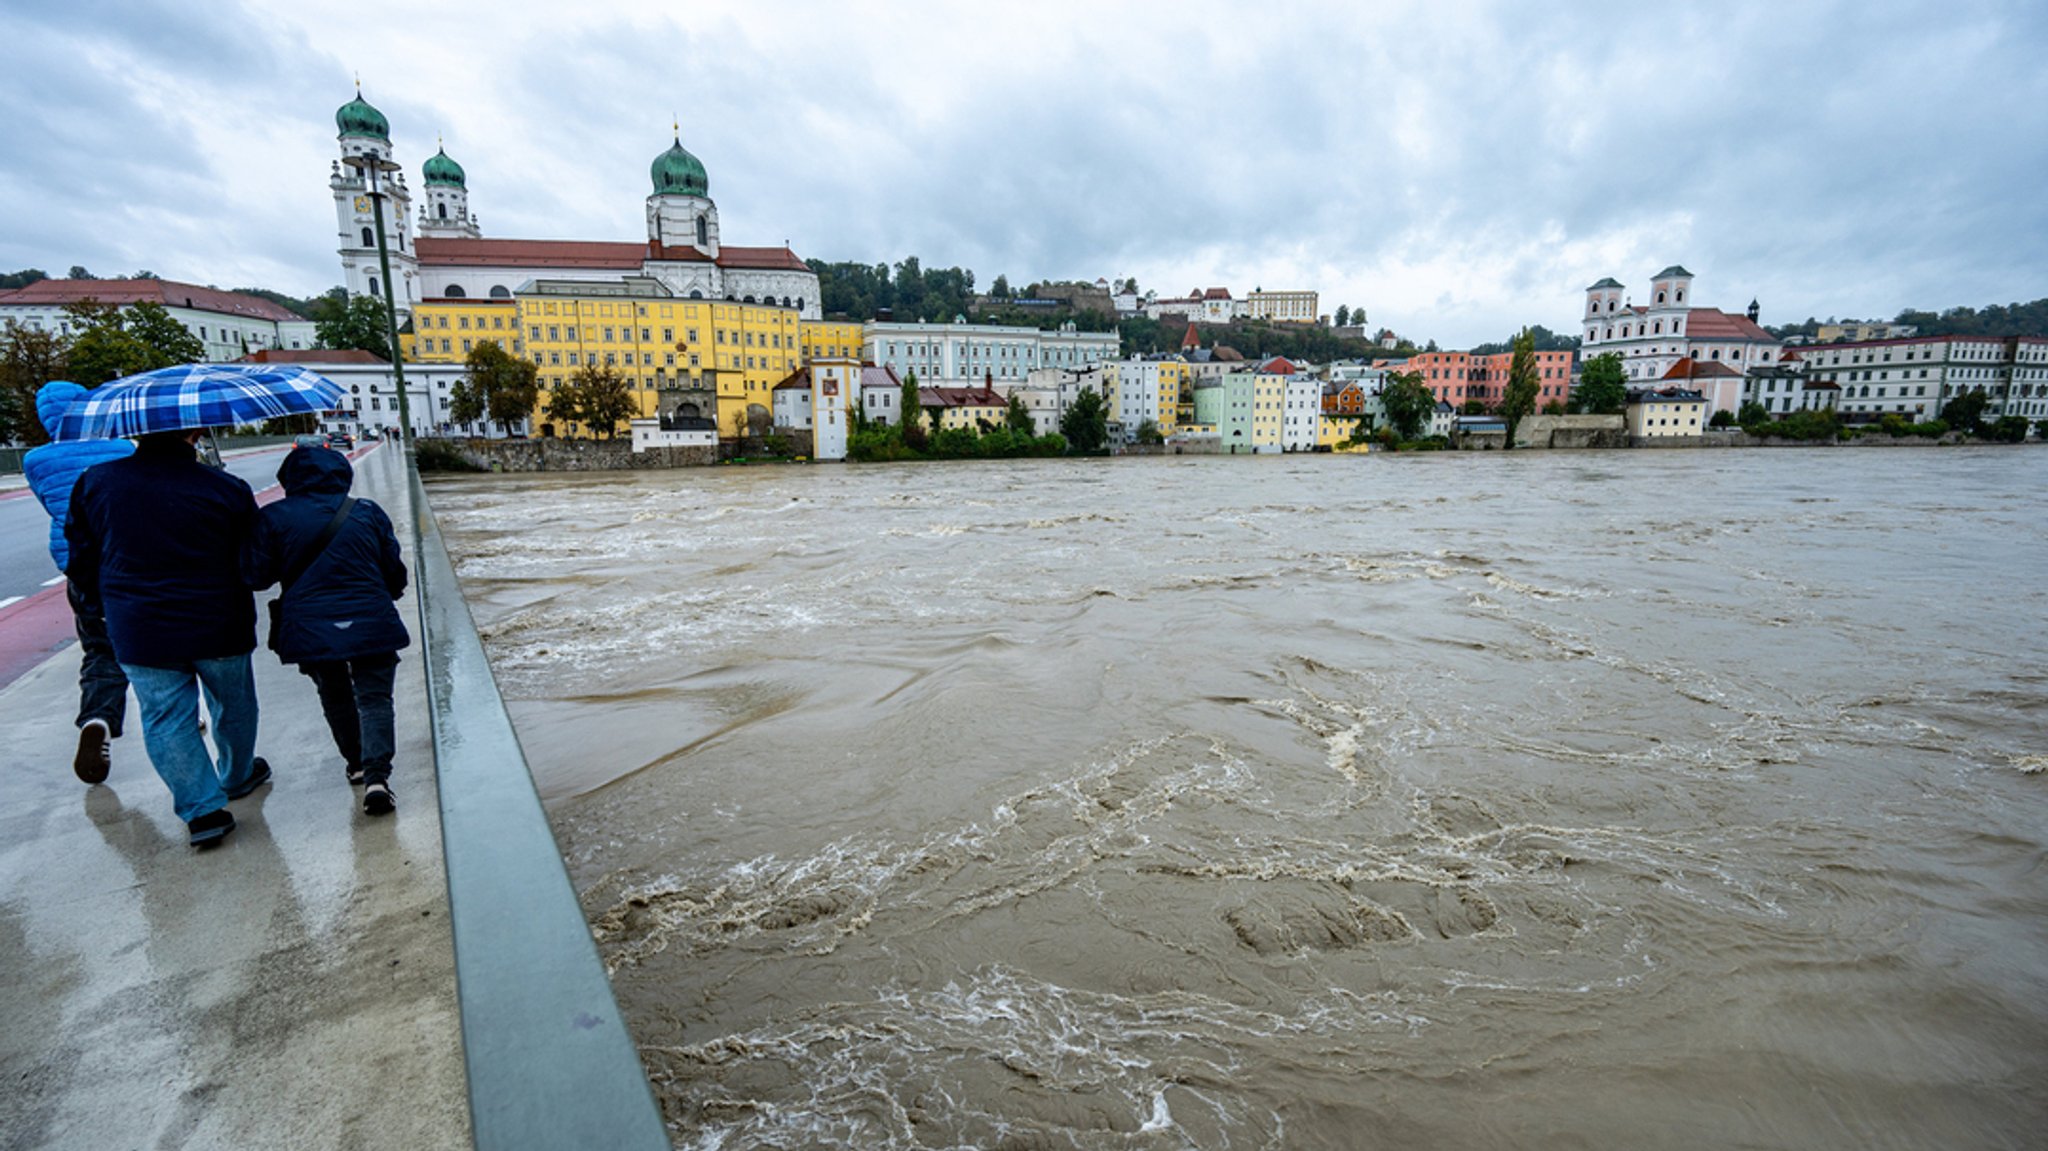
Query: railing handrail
550	1062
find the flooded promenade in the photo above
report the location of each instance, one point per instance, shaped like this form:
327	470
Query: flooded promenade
1683	799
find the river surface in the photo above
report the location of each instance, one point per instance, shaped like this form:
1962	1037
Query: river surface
1635	799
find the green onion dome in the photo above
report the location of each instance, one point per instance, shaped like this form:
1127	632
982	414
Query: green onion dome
439	169
357	118
677	173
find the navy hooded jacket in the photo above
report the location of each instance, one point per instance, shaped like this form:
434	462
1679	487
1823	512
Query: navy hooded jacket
53	469
156	539
341	605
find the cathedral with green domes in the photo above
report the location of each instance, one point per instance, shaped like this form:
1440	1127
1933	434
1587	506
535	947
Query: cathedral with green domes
450	257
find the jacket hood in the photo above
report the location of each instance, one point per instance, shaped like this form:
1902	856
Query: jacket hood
53	400
315	471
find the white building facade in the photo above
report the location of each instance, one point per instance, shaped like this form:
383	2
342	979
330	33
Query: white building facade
960	354
228	325
1652	337
1916	377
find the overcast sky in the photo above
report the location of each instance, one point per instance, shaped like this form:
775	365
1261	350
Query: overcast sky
1458	170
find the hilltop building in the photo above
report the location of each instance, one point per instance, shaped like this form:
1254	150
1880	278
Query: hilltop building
1653	337
228	324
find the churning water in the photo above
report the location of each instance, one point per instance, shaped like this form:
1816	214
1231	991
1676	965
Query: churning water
1652	799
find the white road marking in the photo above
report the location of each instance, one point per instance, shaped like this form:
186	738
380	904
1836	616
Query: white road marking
10	601
53	582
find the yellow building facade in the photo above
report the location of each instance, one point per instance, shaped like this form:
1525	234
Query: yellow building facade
830	339
633	327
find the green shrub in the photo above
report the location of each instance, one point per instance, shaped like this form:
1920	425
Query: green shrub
2007	430
438	455
1931	430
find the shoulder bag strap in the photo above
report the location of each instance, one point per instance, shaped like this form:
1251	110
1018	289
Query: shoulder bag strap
306	559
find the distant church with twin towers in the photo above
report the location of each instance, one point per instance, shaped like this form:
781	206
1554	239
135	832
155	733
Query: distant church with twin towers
452	259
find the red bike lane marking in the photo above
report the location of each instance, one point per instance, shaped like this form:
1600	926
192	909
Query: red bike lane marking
36	628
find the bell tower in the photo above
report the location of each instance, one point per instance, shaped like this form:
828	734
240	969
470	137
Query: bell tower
364	132
446	210
680	213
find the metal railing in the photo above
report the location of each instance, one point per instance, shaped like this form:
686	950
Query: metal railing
550	1062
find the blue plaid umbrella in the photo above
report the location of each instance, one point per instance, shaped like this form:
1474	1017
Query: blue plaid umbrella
197	396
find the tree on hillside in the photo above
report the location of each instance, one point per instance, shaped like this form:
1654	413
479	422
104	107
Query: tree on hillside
355	322
109	342
29	358
1408	402
1016	418
1086	423
1343	315
1519	398
22	279
497	386
1001	288
1603	386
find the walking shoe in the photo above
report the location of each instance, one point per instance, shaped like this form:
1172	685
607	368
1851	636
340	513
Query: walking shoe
355	775
259	774
378	800
94	758
211	828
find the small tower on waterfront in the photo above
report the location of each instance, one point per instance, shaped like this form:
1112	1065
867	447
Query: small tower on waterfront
446	210
680	213
363	131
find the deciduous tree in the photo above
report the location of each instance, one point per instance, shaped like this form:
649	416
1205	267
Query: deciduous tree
1518	400
29	358
497	386
606	398
352	322
1086	423
1603	386
1408	402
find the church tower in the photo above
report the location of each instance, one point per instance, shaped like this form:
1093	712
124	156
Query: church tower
446	210
364	132
680	213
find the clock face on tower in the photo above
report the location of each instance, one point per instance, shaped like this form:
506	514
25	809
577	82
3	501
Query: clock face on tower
362	203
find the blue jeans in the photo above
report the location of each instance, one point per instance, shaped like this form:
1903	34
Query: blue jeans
168	698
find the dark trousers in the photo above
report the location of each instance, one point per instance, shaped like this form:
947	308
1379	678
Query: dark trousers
102	686
355	695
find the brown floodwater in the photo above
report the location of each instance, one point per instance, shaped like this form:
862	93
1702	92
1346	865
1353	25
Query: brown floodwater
1634	799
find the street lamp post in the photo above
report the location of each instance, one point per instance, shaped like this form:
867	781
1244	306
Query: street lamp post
372	167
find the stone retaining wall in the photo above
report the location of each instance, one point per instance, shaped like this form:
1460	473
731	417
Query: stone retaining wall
546	455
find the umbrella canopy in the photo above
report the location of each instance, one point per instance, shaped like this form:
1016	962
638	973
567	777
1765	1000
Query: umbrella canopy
198	396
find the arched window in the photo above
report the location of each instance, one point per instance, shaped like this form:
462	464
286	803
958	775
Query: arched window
1659	326
1660	297
373	287
703	230
695	294
455	292
799	302
748	300
500	292
441	210
369	238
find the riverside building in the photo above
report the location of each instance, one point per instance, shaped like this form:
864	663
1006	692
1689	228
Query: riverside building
1652	337
1916	377
228	324
961	354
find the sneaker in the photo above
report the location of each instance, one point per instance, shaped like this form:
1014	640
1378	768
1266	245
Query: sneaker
378	800
355	775
259	774
94	757
211	828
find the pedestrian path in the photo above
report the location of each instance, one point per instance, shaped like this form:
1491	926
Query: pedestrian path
293	988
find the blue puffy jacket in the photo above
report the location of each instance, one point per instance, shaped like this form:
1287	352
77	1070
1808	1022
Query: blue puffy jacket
54	468
341	606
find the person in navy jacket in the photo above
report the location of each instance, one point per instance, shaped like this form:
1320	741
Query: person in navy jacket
155	538
337	621
52	471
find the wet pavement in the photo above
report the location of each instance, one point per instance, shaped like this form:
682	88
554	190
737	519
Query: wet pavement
293	988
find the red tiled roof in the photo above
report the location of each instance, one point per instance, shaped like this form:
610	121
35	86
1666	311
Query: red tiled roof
982	397
169	293
1192	339
1688	368
1216	294
878	377
1277	366
801	378
441	251
1715	324
313	356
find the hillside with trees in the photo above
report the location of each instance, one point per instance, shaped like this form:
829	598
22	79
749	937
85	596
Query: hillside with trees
2014	319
